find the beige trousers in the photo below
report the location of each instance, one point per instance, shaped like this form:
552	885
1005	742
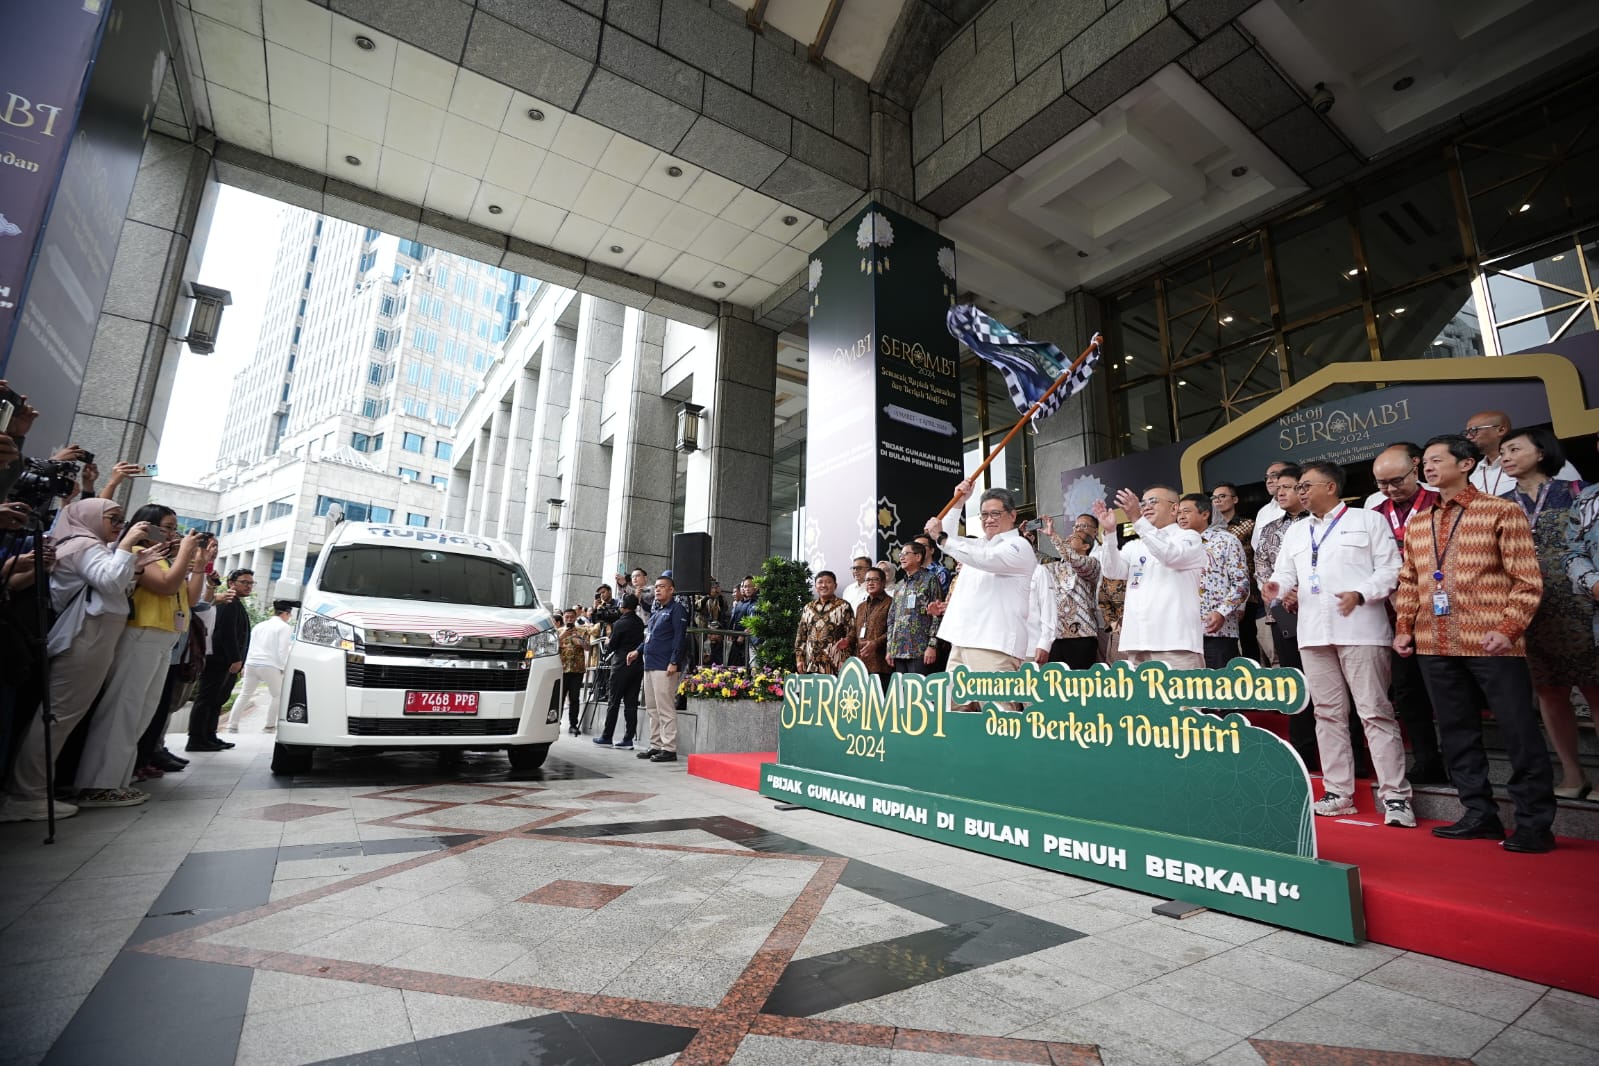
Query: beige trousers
75	679
661	688
1332	672
1177	660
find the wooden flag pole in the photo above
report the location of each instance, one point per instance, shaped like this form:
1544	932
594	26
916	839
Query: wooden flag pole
1020	422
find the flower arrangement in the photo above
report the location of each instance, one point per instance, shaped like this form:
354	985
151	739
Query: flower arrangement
733	683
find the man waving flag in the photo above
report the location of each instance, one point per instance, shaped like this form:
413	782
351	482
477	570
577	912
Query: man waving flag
1030	368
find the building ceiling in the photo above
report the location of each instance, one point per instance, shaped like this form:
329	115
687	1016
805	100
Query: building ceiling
859	35
291	79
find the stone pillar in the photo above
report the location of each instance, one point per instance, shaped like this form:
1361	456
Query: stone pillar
455	512
493	478
518	449
557	356
128	379
585	463
1079	433
736	439
474	485
638	512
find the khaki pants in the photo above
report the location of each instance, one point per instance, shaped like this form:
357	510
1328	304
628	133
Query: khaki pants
660	688
75	679
1176	660
985	661
1332	673
1268	645
244	701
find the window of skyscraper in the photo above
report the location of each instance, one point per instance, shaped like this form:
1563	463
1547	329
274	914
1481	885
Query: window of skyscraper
386	307
382	514
255	516
377	442
280	508
443	449
412	442
409	474
440	481
413	519
360	441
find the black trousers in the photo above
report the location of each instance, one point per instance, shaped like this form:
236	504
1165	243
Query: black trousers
216	685
1079	653
1408	691
1219	651
1460	686
1248	636
571	691
625	681
1301	726
912	666
154	737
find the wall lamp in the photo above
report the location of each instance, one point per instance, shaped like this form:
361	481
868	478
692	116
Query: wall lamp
688	427
553	518
205	322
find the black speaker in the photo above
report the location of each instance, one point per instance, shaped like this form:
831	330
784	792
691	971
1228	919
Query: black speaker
691	562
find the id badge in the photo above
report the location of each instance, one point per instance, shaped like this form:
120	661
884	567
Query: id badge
1440	603
1315	584
1138	571
910	601
863	633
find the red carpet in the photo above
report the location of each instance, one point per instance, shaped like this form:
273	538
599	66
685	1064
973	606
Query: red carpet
1535	917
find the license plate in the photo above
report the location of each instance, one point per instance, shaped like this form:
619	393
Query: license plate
441	702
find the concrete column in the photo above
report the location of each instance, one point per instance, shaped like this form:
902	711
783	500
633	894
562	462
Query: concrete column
493	478
128	378
1079	433
518	450
455	511
638	512
474	485
557	358
732	472
586	464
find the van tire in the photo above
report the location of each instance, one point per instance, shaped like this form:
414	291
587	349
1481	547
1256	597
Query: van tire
528	756
288	759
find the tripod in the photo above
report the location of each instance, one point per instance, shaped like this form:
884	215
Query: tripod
41	599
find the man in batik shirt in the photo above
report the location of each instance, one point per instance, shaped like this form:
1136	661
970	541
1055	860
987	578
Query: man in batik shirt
823	641
912	628
1224	586
574	660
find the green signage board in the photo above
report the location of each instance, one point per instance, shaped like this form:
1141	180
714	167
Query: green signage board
1107	773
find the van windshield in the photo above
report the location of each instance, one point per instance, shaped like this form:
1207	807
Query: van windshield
397	573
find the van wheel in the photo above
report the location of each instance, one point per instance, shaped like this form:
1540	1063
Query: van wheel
291	759
528	756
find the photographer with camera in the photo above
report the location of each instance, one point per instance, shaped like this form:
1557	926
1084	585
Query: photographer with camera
93	574
159	617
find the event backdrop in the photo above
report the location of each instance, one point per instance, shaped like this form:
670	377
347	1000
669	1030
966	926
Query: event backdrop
883	452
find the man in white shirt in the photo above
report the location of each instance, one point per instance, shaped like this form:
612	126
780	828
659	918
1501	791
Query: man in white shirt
986	622
264	665
855	591
1041	614
1486	429
1163	567
1271	512
1344	563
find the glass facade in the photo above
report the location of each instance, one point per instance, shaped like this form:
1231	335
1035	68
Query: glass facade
1484	245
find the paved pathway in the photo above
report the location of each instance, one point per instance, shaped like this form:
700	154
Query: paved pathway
398	910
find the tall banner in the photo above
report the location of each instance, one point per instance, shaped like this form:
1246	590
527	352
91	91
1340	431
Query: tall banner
44	61
883	448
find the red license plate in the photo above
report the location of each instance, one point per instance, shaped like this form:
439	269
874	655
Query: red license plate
441	703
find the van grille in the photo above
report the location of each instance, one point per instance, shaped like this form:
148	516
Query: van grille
431	727
374	675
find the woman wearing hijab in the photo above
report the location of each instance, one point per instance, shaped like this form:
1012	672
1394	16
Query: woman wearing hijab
89	588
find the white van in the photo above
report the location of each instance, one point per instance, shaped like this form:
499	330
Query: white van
418	638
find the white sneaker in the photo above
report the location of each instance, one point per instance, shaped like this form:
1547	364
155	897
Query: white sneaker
15	810
112	797
1397	812
1332	804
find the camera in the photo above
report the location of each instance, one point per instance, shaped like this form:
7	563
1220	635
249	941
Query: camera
1032	525
42	480
10	404
1322	100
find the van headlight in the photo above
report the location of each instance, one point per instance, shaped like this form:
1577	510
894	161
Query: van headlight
320	629
541	644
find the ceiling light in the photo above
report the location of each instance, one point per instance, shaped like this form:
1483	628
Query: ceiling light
495	209
353	160
1399	310
1439	343
365	43
1148	428
718	284
1404	83
1226	320
1523	209
616	249
1239	172
674	171
1129	358
1181	383
1352	272
1558	258
535	114
790	220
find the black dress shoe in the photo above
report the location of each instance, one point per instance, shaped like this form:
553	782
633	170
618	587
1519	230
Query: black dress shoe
1530	841
162	760
175	758
664	756
1471	827
223	744
202	745
650	754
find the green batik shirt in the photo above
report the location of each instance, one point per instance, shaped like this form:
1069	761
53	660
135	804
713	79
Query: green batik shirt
911	630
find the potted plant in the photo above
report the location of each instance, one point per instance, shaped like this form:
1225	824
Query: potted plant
782	591
730	708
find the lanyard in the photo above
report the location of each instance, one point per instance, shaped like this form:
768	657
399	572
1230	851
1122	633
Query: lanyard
1438	557
1543	497
1315	545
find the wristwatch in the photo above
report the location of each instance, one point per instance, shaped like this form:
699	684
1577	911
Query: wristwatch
942	537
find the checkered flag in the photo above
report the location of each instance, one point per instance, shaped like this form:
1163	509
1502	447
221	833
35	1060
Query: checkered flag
1029	367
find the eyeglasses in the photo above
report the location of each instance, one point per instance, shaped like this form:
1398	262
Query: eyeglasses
1151	501
1306	486
1394	482
857	569
991	516
1472	431
116	521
